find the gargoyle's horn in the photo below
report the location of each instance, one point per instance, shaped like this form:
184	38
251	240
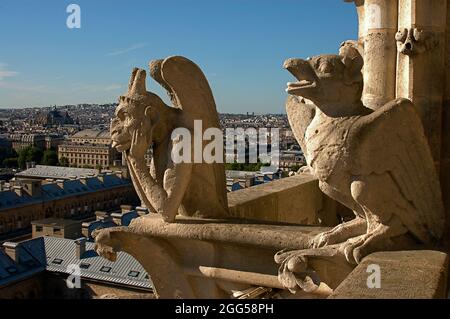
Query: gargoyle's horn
138	86
133	75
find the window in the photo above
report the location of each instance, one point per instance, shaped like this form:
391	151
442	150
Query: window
11	269
57	261
84	265
105	269
57	231
133	273
39	228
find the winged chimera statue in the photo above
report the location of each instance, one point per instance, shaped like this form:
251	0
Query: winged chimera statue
377	163
143	120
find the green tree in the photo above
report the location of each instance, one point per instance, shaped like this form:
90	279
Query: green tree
50	158
64	162
29	154
10	162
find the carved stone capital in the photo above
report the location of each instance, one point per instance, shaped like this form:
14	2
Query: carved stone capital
413	41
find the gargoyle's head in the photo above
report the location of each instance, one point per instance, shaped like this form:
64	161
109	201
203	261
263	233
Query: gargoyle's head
136	115
328	80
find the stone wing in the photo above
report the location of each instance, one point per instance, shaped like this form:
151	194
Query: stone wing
391	140
189	91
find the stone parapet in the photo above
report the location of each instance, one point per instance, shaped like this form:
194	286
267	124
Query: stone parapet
419	274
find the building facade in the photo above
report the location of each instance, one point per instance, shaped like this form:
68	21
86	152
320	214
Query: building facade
20	141
23	201
90	148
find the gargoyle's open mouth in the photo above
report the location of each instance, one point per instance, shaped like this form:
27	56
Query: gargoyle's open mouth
300	85
121	146
303	72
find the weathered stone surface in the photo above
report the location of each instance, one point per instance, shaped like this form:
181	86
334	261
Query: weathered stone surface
201	258
143	120
404	274
376	162
295	199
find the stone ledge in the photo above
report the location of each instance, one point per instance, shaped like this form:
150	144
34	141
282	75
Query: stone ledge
241	232
296	200
419	274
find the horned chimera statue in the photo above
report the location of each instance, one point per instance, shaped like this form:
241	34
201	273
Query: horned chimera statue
143	120
377	163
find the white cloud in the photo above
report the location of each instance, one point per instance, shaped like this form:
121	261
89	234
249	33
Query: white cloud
129	49
95	88
5	73
112	87
22	87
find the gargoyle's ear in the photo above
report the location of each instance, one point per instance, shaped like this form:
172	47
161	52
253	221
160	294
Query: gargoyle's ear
152	114
353	62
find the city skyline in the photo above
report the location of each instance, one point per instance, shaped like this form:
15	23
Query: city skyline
51	64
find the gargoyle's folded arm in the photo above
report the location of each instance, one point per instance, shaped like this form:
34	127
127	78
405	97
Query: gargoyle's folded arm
176	181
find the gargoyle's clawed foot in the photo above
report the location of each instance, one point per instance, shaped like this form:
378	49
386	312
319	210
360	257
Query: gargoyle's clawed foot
340	233
294	272
354	248
382	237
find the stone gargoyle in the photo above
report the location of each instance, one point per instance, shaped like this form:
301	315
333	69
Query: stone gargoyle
142	121
376	162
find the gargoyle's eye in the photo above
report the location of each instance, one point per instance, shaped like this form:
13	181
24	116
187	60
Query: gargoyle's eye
121	115
325	67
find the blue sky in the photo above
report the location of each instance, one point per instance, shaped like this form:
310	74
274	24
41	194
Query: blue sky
239	44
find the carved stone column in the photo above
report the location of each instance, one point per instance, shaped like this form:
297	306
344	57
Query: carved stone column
377	28
420	70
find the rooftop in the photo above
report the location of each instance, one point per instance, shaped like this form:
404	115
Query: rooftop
92	133
56	254
59	190
57	172
59	222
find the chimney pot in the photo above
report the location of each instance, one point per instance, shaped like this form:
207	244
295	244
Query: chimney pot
12	250
80	245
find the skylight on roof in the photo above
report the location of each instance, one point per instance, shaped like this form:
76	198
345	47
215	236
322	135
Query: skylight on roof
105	269
84	265
57	261
11	269
133	273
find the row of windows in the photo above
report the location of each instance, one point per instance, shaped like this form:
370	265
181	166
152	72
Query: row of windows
88	162
81	150
12	222
71	155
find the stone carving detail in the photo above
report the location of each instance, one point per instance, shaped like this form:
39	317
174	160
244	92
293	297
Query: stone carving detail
415	41
143	120
377	163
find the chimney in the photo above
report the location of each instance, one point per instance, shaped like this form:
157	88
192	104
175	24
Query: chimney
32	187
85	228
141	211
80	247
30	165
83	180
18	190
117	218
101	177
12	250
102	216
119	174
60	183
126	208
